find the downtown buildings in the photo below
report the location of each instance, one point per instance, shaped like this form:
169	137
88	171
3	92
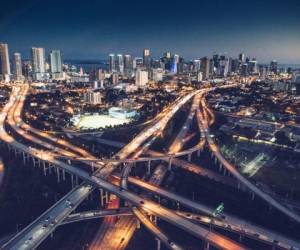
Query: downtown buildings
4	62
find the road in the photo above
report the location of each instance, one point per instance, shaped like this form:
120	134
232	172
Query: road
211	237
114	231
39	229
203	121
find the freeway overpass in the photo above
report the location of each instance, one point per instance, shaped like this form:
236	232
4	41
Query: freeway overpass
210	237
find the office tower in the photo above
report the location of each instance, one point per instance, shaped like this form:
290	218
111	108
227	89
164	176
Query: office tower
230	60
196	65
211	67
242	57
4	62
174	63
92	97
55	61
216	60
128	65
18	67
252	67
204	67
157	74
199	76
263	72
167	55
244	69
235	65
100	75
223	66
141	77
115	78
112	63
38	63
137	62
274	67
120	64
146	58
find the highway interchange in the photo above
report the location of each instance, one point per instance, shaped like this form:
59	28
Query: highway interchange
50	149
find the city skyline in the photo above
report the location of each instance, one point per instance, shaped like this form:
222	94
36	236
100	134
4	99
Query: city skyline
267	31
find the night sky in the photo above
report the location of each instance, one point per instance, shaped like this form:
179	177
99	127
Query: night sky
91	29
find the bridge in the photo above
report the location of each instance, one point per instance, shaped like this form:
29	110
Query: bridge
97	180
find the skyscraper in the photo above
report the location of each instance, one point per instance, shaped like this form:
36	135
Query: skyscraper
128	65
112	63
273	66
141	77
196	65
18	66
38	63
120	64
242	57
55	61
204	67
4	62
174	63
146	58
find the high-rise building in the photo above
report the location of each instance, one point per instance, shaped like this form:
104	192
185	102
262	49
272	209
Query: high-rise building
204	67
157	74
196	65
55	61
274	67
174	63
92	97
242	57
128	65
223	66
38	63
141	77
252	67
120	64
4	62
146	58
115	78
18	67
199	76
112	63
235	66
263	70
244	69
216	60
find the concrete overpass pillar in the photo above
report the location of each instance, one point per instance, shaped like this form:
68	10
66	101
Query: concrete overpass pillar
158	243
207	246
72	180
224	171
138	224
190	157
198	153
240	238
33	161
58	174
24	157
252	195
64	174
76	180
101	197
220	167
149	167
44	168
93	166
170	164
